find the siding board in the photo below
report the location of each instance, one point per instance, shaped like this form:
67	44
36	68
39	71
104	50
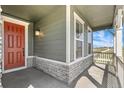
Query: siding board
30	39
53	44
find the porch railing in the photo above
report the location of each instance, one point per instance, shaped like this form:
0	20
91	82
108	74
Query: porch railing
120	69
104	57
111	59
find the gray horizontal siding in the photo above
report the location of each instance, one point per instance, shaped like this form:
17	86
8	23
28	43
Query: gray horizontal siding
30	39
52	45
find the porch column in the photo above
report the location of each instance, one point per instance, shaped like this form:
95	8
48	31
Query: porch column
118	33
115	48
67	33
0	47
115	43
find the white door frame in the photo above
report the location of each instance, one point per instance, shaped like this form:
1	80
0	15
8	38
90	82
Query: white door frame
16	21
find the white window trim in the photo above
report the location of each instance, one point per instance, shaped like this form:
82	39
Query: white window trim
76	17
89	29
13	20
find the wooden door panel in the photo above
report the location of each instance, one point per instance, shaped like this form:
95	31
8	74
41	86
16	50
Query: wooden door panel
18	43
13	45
10	57
10	41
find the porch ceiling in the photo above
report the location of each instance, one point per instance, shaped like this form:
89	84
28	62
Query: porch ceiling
29	12
98	16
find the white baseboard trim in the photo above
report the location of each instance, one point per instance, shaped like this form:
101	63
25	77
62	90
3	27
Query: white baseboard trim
80	59
55	61
61	62
30	56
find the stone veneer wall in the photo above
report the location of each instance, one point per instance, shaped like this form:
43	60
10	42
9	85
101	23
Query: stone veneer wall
62	71
76	68
56	69
30	61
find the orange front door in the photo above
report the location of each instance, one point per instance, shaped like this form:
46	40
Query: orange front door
14	44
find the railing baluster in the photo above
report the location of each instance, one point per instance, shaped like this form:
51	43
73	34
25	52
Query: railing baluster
106	57
103	57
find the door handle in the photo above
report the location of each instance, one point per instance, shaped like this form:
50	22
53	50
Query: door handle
23	52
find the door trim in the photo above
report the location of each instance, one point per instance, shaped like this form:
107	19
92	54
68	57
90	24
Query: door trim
16	21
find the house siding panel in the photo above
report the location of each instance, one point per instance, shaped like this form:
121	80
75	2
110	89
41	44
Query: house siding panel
53	44
30	39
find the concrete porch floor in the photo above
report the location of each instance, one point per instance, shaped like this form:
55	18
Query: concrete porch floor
30	78
96	76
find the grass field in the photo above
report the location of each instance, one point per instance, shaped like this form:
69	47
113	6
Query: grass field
111	50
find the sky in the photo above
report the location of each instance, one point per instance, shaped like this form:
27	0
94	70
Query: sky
104	38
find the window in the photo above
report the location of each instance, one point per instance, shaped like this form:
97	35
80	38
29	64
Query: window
85	41
79	32
89	41
79	37
82	38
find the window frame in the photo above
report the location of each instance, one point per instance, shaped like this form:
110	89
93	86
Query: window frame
89	30
76	17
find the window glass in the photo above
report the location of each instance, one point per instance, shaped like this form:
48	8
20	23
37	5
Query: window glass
79	32
78	49
89	41
79	38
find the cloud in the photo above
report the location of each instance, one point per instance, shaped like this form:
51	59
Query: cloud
101	34
102	39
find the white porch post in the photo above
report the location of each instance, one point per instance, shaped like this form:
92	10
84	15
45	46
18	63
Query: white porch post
67	33
115	43
115	48
0	46
118	46
118	38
